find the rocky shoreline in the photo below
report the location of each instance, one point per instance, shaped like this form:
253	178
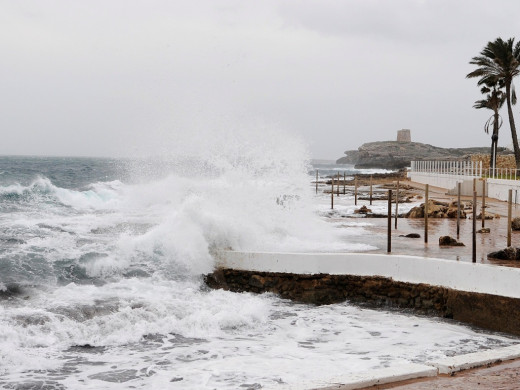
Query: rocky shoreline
398	154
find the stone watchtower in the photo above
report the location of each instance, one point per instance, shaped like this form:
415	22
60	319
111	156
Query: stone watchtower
404	135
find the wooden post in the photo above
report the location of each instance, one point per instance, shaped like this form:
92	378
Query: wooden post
426	214
396	202
344	183
332	193
389	237
355	190
337	186
474	184
474	233
509	212
371	190
458	209
316	181
483	201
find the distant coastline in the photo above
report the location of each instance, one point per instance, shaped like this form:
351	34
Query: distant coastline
398	154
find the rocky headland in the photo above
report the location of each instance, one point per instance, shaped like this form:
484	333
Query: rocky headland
397	154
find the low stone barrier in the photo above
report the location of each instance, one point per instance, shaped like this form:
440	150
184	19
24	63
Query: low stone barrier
490	311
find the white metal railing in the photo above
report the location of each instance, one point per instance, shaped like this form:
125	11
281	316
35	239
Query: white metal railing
457	168
463	168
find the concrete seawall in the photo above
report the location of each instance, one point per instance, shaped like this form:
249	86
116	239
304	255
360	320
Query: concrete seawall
483	295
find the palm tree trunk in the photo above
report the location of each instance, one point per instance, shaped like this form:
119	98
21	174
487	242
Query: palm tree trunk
494	140
516	148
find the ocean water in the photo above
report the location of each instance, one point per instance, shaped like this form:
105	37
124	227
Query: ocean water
101	277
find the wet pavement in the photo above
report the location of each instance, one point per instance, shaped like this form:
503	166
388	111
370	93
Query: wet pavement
504	376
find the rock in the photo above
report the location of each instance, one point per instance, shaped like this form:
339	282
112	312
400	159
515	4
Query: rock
362	210
411	235
449	241
515	224
486	216
484	230
396	155
509	253
436	209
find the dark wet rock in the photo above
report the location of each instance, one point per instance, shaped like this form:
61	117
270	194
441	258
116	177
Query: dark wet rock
486	216
509	253
363	210
515	224
177	379
436	209
449	241
411	235
484	230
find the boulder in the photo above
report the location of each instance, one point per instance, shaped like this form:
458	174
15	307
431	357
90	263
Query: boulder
486	216
436	209
362	210
515	224
411	235
509	253
449	241
484	230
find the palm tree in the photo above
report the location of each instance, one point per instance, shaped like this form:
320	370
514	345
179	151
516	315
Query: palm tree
494	100
499	61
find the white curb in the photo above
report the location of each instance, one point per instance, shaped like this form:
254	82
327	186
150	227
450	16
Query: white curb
370	378
453	364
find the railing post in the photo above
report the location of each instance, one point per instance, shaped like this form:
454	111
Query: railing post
316	181
426	214
355	190
509	212
458	209
332	193
389	235
396	202
371	190
474	232
483	201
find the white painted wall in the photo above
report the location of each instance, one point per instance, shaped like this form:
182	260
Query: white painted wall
498	189
445	181
463	276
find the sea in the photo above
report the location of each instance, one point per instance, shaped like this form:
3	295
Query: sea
101	278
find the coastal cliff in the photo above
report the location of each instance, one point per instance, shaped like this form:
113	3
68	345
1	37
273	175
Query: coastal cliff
396	154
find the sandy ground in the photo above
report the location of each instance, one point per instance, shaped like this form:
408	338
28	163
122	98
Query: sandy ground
500	376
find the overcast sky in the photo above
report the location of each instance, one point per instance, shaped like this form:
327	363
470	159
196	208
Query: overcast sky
118	77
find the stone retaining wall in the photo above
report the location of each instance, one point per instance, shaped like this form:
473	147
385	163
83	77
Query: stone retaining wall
484	310
503	161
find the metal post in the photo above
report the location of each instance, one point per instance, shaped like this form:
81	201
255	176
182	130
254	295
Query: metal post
483	201
371	190
344	183
316	181
355	190
389	238
458	209
396	202
337	186
426	214
509	212
332	193
474	247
